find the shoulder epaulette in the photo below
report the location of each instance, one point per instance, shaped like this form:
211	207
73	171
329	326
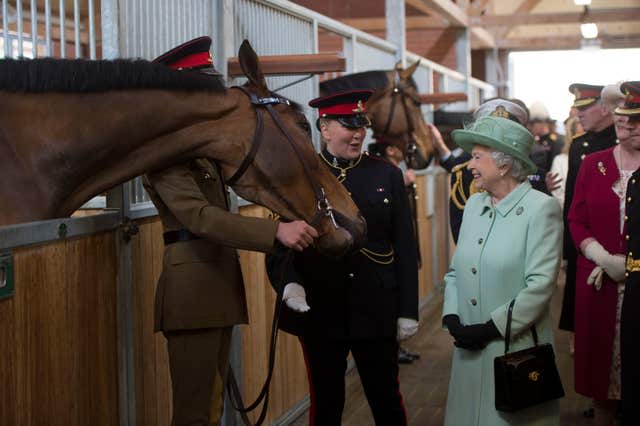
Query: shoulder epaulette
460	166
576	136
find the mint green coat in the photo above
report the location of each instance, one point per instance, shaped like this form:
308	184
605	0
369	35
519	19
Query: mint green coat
504	252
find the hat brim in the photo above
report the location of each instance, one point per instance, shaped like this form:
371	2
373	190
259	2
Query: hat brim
466	139
354	121
581	103
630	112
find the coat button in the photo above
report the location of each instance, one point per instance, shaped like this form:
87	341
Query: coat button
628	199
207	176
474	302
474	271
585	143
582	156
633	181
490	215
626	237
626	218
480	241
386	201
351	275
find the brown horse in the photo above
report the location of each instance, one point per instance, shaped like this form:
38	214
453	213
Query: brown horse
394	110
71	129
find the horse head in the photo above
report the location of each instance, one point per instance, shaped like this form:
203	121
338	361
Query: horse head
276	165
396	117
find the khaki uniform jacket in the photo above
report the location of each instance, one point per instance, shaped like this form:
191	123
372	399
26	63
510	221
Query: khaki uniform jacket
201	282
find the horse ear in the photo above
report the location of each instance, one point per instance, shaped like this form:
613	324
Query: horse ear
251	66
406	73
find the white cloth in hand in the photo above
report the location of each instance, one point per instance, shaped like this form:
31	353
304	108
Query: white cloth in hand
595	278
295	297
407	327
612	265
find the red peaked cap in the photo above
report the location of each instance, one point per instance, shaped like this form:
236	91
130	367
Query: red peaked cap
586	94
631	106
348	108
192	55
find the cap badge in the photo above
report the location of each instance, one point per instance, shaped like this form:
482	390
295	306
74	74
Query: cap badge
381	189
359	107
500	112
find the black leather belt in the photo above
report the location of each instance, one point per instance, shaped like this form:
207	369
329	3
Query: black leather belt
171	237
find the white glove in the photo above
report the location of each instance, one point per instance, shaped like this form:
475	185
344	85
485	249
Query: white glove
295	297
612	265
595	277
407	327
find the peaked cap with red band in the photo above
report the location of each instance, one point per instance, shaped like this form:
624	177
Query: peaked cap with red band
192	55
349	108
631	106
586	94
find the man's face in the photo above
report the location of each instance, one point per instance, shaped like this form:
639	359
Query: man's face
594	117
628	131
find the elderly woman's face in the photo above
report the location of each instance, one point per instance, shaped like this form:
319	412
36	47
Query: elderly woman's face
343	142
483	168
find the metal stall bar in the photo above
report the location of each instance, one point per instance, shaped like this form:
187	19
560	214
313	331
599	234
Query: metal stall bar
47	27
19	28
34	28
61	25
5	27
76	27
92	31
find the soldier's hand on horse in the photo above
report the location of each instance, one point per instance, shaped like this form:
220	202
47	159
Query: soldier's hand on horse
295	297
407	327
297	235
553	181
437	141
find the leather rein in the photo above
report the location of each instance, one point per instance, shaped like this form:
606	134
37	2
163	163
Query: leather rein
323	209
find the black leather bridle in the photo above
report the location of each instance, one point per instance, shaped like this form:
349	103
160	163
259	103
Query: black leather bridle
323	207
398	91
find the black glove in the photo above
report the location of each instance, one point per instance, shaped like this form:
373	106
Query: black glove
452	322
476	336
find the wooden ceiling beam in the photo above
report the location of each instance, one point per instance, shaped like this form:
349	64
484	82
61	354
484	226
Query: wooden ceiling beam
456	16
524	7
594	15
568	43
411	23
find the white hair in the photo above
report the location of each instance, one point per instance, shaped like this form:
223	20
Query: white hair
516	166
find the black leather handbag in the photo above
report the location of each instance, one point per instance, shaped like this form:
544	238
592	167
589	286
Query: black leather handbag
527	377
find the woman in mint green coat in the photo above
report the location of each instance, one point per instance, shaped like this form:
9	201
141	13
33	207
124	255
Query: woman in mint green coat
508	248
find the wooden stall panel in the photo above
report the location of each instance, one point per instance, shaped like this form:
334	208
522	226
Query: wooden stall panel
58	335
442	227
425	237
153	382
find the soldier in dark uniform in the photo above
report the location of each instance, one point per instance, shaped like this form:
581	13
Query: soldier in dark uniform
597	121
200	293
366	301
456	161
546	145
630	320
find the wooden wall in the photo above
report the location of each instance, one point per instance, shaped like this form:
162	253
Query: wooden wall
58	333
58	362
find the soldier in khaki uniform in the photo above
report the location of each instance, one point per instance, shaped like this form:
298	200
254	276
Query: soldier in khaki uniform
200	294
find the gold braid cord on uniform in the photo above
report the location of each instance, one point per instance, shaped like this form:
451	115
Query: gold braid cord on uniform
343	170
380	258
458	197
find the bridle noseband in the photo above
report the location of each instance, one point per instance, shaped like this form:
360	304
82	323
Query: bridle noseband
323	207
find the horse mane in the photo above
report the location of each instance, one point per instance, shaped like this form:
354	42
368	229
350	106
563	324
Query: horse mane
374	80
81	75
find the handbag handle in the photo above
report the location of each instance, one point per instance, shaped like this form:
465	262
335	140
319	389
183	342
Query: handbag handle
507	337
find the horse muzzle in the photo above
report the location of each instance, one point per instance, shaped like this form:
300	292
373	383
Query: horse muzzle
349	236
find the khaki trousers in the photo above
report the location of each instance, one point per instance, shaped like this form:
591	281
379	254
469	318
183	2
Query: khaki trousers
198	362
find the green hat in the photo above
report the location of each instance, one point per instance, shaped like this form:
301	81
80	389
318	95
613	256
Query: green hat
502	135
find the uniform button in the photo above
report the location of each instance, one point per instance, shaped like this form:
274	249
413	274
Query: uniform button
630	254
585	143
490	215
474	271
386	201
633	181
351	275
626	237
480	241
626	274
207	176
628	199
582	156
474	302
626	218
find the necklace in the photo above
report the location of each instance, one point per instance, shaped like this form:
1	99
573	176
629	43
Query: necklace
343	170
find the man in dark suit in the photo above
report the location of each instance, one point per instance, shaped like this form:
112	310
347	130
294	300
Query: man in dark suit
200	294
366	301
630	320
596	118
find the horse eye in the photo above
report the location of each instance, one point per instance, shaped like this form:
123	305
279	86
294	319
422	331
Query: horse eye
304	125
